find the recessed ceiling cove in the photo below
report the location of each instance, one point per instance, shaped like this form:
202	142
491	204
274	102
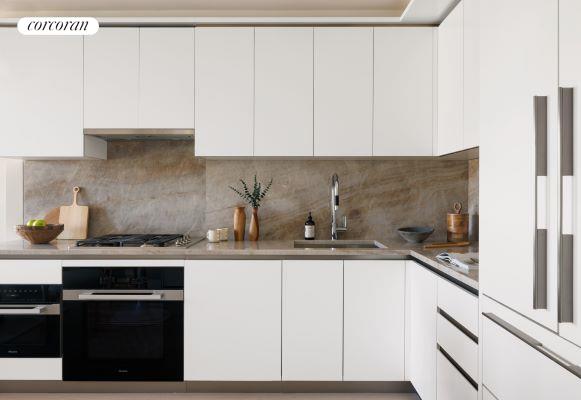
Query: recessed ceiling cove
205	8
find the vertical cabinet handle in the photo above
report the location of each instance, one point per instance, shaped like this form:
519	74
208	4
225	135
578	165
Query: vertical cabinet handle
541	217
567	206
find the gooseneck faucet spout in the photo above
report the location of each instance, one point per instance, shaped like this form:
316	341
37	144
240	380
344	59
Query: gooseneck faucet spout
335	229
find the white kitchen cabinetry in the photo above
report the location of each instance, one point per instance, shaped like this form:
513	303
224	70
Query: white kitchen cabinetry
312	320
459	79
139	78
570	77
41	98
224	87
31	369
519	60
421	329
343	91
450	89
403	117
166	78
283	91
452	385
374	320
30	272
232	320
111	77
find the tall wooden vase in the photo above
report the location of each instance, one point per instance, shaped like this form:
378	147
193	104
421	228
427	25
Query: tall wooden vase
239	223
253	231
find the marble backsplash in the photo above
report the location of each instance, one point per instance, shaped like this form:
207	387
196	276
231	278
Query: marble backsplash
159	187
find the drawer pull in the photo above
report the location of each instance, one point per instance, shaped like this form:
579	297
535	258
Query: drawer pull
458	367
458	325
535	344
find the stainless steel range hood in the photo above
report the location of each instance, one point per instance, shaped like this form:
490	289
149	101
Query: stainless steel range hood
141	134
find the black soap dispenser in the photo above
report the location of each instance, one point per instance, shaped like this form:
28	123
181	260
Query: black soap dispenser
310	228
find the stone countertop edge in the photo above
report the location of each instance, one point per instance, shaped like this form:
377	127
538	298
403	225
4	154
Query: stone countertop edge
230	250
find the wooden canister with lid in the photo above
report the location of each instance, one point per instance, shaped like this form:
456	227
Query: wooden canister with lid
457	223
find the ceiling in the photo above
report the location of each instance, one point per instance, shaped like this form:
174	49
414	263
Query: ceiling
384	8
338	11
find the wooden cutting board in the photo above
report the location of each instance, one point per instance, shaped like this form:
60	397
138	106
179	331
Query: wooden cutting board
75	219
52	217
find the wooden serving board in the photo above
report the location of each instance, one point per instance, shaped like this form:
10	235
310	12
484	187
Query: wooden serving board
75	218
446	244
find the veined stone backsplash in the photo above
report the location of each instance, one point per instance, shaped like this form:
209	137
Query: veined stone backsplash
159	187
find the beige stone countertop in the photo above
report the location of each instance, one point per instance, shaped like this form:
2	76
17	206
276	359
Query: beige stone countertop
266	249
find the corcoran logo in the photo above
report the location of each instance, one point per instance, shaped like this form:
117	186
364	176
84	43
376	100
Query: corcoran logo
58	26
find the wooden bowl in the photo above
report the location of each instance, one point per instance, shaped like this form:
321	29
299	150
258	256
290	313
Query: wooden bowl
39	234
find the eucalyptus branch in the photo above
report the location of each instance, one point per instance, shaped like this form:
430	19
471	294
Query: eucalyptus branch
255	196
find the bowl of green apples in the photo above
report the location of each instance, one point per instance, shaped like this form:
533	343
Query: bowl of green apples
37	231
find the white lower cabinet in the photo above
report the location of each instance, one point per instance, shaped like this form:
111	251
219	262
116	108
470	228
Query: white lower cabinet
232	320
312	320
374	320
421	329
452	385
31	369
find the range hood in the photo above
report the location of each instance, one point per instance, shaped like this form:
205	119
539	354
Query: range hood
141	134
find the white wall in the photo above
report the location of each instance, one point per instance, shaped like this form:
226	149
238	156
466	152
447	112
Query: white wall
11	197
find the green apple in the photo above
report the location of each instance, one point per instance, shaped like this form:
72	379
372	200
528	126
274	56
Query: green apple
30	222
39	222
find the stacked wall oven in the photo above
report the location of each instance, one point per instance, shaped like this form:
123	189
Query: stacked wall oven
123	323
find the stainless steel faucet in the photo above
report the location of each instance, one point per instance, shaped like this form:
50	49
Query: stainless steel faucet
334	208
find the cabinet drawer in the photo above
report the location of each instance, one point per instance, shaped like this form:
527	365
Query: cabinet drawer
459	346
31	369
30	272
515	366
460	304
451	384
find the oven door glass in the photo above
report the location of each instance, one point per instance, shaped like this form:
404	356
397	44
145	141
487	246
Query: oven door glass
123	340
30	336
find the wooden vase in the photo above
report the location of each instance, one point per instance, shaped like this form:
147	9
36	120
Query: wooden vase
253	230
239	223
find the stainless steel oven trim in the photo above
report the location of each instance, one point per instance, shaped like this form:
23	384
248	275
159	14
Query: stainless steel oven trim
127	295
30	309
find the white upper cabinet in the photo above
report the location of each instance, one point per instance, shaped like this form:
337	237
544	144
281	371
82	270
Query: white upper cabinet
519	60
343	91
166	78
471	74
312	320
224	88
41	97
112	79
450	82
139	78
374	320
403	117
283	92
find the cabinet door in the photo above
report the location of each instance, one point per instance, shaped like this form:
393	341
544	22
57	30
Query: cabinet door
41	95
519	60
166	78
343	91
374	339
403	119
471	74
421	329
570	77
232	320
312	320
224	91
284	92
450	82
111	78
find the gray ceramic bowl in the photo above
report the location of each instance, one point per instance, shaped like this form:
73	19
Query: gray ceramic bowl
415	234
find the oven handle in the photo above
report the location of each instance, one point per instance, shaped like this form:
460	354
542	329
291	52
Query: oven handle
123	295
29	309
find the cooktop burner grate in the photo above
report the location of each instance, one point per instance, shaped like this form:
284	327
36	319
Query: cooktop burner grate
135	241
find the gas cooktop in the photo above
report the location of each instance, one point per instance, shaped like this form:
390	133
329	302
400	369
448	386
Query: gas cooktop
137	241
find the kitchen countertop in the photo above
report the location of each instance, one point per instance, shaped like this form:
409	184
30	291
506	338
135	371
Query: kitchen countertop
265	249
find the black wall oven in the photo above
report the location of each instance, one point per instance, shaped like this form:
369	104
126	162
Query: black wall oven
123	323
30	321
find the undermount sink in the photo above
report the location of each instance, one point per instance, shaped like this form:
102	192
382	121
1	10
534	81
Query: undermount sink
338	244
